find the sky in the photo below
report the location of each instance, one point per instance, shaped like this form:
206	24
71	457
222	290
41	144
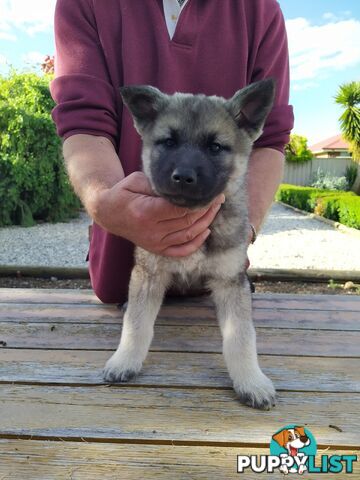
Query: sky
324	45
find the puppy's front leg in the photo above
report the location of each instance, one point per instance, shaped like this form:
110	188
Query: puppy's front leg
233	303
146	293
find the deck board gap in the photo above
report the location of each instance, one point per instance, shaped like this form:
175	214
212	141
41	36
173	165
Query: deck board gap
159	386
132	441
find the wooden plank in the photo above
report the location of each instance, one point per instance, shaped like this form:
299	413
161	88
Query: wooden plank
34	460
178	369
286	300
179	338
261	300
60	313
172	414
47	295
309	302
179	315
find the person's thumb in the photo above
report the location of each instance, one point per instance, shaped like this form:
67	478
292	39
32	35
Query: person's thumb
138	183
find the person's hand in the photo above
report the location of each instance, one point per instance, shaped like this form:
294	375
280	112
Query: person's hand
131	210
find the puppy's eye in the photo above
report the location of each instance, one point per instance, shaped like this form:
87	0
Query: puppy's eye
215	147
167	142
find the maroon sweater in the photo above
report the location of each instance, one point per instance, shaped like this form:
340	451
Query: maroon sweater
218	47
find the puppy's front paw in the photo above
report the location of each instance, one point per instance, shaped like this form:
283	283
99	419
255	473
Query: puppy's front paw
256	391
118	369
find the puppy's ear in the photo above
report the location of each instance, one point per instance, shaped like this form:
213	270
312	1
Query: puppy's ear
300	430
251	105
280	438
144	103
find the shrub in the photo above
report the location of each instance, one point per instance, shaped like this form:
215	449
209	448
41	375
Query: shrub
33	180
343	207
297	151
325	181
349	211
351	174
303	198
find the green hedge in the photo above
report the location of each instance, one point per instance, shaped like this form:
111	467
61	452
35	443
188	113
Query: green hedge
343	207
33	180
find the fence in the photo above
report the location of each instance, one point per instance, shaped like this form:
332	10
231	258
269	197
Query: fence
303	174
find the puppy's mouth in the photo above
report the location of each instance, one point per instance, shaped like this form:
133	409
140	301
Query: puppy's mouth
293	451
187	202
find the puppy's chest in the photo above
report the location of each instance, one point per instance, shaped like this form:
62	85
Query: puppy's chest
223	254
225	264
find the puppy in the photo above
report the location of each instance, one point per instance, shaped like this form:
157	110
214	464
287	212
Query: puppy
194	148
292	439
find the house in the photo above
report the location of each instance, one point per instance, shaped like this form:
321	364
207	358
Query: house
331	156
332	147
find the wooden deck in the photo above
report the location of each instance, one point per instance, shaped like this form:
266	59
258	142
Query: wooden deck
179	419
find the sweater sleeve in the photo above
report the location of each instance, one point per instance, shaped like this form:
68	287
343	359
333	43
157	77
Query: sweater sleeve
272	61
85	98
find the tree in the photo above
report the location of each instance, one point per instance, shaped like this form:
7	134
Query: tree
48	66
33	180
296	151
348	96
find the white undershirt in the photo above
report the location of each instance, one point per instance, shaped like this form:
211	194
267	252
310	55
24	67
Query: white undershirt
172	12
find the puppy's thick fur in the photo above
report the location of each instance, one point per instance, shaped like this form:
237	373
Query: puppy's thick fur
195	147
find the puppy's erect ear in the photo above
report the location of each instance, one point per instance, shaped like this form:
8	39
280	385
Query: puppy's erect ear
281	437
251	105
144	103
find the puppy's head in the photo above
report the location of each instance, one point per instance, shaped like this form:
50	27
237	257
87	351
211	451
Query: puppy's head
194	145
293	437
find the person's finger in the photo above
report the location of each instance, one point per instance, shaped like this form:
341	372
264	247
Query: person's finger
189	233
138	183
187	248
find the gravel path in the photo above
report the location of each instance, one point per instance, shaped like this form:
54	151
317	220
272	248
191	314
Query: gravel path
50	244
288	240
292	240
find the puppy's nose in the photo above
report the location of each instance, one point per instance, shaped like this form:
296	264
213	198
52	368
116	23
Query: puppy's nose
304	439
184	177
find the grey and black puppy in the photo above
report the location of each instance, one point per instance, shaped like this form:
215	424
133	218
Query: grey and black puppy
194	148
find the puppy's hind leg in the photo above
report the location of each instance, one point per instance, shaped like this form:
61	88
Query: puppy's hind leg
145	297
233	304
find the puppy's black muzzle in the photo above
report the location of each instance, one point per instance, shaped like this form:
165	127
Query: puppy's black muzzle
184	178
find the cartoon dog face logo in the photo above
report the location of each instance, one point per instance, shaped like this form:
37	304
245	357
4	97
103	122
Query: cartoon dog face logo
292	439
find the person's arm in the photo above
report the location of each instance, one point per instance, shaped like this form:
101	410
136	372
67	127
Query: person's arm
270	59
87	118
93	166
264	176
126	206
86	97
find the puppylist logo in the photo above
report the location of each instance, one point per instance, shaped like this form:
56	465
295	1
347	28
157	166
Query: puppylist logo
292	450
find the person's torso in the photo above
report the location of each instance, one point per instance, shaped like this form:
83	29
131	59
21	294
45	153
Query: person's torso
212	51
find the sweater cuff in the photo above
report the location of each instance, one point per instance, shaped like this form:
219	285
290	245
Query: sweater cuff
85	104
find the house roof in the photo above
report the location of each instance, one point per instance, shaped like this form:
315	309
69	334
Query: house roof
333	143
